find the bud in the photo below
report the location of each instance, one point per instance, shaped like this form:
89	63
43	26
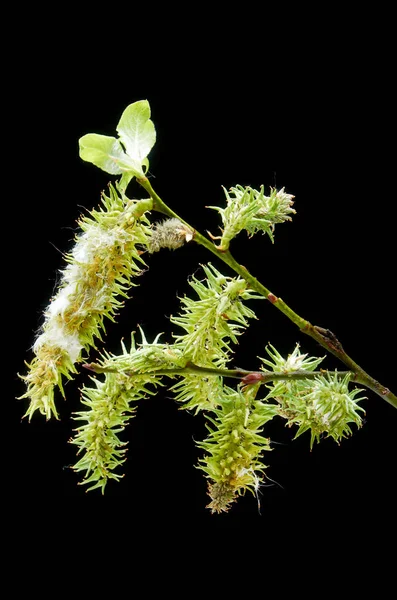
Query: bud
171	234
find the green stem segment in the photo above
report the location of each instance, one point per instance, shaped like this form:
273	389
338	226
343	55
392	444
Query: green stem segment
324	337
246	377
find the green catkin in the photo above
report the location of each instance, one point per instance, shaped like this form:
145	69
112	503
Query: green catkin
98	440
235	446
100	269
110	407
128	377
211	324
325	406
250	210
111	404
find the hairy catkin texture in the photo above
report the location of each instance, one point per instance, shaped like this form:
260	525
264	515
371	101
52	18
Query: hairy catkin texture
171	234
101	266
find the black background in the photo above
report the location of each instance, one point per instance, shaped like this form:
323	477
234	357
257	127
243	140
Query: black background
320	125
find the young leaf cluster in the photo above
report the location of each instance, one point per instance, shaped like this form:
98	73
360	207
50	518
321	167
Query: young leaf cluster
127	154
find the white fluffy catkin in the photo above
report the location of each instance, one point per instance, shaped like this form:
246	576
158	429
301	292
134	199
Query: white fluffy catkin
101	266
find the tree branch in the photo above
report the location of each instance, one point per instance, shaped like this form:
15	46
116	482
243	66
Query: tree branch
246	377
322	336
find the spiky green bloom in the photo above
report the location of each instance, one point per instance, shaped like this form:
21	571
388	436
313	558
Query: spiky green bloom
235	446
325	405
215	319
110	406
211	323
148	357
197	393
296	361
110	409
251	210
101	266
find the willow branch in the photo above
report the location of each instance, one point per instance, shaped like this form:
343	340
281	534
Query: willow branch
324	337
246	377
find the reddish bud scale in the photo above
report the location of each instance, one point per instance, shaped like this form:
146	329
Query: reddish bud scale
272	298
252	378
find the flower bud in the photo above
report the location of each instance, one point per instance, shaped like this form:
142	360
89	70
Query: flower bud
171	234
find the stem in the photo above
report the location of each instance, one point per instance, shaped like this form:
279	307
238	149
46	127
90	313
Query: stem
247	377
324	337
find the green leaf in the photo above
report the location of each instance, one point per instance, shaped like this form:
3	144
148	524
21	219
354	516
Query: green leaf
137	132
127	155
107	153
